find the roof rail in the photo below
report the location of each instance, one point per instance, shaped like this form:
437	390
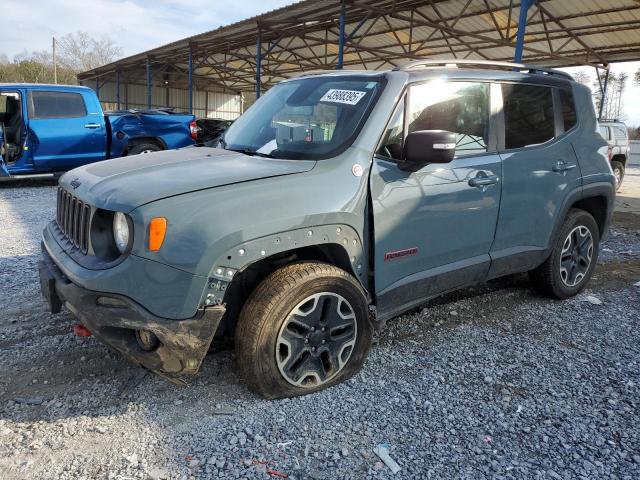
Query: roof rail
482	64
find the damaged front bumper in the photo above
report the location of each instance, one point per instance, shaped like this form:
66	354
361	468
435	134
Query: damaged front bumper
114	320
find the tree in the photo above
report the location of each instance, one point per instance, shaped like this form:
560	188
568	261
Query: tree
582	77
636	78
80	52
76	53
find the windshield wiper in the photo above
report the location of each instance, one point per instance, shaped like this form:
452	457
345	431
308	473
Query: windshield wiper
248	151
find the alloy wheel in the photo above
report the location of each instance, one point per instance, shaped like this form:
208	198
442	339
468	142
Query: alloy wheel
316	340
576	255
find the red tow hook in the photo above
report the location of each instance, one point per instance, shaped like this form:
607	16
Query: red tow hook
81	331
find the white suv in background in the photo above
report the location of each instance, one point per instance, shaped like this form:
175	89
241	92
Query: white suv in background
616	135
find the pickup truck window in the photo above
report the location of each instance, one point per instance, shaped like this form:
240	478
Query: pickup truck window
309	118
56	105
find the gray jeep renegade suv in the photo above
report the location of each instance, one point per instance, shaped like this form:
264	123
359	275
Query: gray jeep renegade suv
338	201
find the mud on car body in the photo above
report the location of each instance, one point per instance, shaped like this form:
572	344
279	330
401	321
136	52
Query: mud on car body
339	201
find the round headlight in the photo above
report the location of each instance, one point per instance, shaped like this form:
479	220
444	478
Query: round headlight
121	233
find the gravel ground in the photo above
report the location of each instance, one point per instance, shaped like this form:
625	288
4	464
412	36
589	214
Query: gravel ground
492	382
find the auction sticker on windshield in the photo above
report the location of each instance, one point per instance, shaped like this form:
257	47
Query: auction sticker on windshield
349	97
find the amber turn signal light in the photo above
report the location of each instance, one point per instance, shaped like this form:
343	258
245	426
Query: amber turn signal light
157	230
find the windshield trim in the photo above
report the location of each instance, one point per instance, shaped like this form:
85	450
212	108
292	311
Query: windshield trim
382	81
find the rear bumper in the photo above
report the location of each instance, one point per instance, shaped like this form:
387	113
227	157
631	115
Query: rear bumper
114	319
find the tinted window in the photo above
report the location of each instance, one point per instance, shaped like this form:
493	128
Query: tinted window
459	107
568	109
528	115
57	105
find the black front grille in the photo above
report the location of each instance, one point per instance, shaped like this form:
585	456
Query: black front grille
73	216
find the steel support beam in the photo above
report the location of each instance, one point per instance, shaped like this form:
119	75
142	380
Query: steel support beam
190	79
258	64
149	84
98	87
341	38
603	92
118	89
522	24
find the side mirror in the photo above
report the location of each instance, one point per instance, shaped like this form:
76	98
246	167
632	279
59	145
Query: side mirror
428	146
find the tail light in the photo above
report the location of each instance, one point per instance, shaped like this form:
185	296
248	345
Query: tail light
194	130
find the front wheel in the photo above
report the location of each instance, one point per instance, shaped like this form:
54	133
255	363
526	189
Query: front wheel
573	257
303	329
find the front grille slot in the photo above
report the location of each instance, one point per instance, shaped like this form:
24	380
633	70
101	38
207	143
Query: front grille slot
73	217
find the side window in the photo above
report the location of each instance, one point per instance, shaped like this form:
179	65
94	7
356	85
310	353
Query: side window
392	141
604	131
459	107
568	109
57	105
620	133
528	115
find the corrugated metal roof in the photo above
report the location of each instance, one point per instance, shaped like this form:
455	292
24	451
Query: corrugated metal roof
383	33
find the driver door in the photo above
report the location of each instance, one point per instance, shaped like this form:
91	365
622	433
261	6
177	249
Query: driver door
433	228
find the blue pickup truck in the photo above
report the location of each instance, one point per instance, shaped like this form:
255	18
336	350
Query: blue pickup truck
54	128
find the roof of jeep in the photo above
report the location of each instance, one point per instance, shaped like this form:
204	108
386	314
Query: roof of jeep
473	71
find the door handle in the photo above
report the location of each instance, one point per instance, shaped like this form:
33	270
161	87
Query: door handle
562	166
482	181
92	125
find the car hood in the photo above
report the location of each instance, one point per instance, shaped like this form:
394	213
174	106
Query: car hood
124	184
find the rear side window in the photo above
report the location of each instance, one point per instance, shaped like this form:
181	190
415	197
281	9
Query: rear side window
57	105
568	109
620	133
528	112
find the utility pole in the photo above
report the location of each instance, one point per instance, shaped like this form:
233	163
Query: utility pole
55	65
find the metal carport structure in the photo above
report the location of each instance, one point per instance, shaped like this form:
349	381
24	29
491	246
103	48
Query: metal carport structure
256	53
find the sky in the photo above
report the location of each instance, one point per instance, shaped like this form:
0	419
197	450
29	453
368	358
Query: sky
139	25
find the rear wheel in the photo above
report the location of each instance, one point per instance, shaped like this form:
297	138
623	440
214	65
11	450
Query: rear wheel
143	147
618	172
573	258
303	329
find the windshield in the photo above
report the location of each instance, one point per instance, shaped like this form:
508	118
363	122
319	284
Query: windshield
309	118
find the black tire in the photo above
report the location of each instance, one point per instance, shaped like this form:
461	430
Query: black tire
618	172
143	147
271	305
547	278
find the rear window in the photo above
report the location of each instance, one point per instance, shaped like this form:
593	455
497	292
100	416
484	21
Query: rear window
528	112
568	109
57	105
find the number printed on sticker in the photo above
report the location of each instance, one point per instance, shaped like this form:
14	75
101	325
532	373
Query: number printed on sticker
350	97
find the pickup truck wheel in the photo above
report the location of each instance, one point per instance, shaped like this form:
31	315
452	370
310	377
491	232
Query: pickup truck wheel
618	173
145	147
303	329
573	258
